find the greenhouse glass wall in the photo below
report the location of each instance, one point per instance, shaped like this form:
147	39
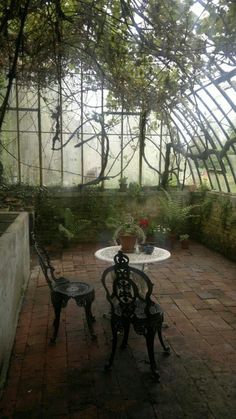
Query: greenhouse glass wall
171	123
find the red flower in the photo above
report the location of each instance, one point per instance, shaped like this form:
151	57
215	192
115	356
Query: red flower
143	223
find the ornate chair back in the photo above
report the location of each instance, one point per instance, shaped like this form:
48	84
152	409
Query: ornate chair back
45	264
127	289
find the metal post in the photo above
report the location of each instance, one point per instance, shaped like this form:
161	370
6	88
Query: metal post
60	130
40	139
18	133
81	124
122	141
102	145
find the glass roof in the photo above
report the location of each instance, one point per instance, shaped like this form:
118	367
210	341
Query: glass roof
70	132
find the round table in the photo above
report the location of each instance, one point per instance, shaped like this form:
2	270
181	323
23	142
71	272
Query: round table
138	258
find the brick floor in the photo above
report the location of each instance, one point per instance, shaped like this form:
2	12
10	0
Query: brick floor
196	288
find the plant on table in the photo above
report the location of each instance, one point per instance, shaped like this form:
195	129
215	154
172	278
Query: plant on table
129	231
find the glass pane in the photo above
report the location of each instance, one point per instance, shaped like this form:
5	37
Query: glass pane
29	150
51	162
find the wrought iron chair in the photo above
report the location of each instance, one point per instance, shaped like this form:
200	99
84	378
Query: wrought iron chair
62	289
128	290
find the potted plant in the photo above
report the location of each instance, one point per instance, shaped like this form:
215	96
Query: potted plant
184	240
128	233
123	184
155	233
161	235
174	216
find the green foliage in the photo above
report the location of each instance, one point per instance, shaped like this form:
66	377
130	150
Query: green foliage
123	180
72	225
203	187
173	214
206	208
219	25
225	211
183	237
19	197
110	39
134	189
128	227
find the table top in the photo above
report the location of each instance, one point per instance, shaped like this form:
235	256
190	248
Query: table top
107	254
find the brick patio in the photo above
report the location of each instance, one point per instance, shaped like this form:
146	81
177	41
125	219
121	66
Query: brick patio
196	288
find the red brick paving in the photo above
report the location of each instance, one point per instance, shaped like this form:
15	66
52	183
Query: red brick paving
196	288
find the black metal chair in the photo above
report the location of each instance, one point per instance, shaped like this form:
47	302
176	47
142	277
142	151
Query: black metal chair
62	289
129	290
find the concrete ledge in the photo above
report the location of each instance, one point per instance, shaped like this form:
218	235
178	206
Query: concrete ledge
14	275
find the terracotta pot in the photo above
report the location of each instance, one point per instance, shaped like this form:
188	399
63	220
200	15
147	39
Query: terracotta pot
127	243
123	187
185	244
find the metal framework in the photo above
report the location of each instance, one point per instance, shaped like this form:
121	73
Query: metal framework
203	124
67	135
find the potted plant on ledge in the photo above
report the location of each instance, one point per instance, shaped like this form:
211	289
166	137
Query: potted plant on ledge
123	184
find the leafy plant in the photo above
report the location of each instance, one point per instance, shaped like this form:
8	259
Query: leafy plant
129	227
123	180
225	212
173	214
72	226
134	189
183	237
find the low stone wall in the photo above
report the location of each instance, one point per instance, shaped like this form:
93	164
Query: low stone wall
97	207
216	224
14	275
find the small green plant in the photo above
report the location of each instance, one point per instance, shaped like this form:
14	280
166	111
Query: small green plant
71	227
204	187
123	180
183	237
134	189
226	209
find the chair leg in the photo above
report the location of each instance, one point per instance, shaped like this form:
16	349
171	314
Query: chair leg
150	336
124	343
114	345
90	320
166	348
57	305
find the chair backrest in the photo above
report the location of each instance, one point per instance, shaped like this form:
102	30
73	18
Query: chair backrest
126	285
45	263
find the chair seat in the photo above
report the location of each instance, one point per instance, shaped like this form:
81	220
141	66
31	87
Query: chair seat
73	289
